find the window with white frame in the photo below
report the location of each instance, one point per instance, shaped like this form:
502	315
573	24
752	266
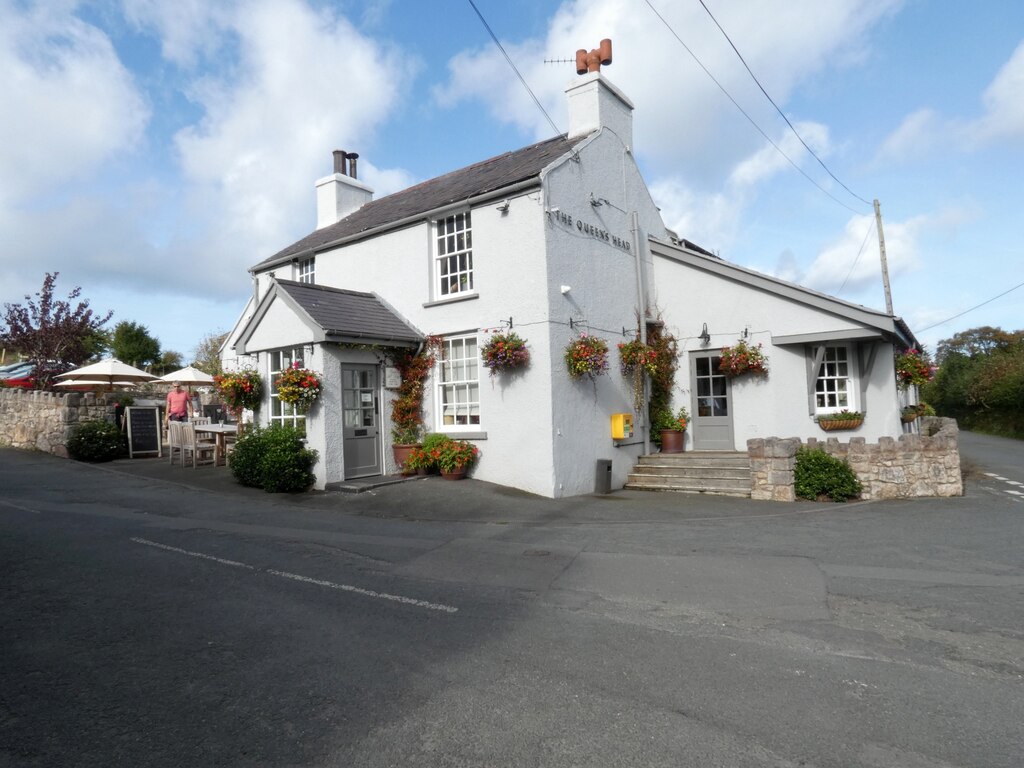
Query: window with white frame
834	388
459	384
305	270
453	255
284	413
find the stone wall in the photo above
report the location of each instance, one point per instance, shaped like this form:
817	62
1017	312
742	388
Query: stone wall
43	421
910	466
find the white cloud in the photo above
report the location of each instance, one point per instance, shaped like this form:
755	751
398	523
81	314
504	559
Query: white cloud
60	72
838	262
919	132
1004	108
784	43
305	83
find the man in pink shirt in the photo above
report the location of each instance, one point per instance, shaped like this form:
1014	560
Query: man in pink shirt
177	403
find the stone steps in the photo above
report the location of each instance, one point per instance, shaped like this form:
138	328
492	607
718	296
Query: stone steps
716	472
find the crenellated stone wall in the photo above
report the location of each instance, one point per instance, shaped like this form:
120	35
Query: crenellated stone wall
911	466
43	421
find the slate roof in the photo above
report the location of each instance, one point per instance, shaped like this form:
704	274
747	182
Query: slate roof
490	175
350	315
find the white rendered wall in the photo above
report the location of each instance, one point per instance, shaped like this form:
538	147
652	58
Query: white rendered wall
509	282
602	276
776	405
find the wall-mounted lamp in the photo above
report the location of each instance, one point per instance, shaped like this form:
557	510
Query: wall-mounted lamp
705	337
503	207
565	289
594	201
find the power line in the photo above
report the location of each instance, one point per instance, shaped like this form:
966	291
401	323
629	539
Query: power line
744	112
515	69
863	242
988	301
781	113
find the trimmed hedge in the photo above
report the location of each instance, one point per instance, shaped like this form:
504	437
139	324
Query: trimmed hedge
97	441
817	475
274	459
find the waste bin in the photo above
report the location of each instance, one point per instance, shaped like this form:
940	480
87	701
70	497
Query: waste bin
603	476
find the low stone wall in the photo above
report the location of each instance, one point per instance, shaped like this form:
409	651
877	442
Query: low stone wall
43	421
908	467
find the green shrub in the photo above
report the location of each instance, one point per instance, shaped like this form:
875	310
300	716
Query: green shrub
274	459
97	441
818	474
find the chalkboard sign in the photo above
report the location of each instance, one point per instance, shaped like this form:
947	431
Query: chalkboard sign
144	431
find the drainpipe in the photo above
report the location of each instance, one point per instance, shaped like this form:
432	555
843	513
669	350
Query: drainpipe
641	304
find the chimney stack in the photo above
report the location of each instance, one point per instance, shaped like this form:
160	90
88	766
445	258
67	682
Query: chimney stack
341	193
594	102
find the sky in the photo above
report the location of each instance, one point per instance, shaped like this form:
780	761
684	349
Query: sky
152	151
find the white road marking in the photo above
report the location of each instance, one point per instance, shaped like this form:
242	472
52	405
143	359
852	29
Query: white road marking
306	579
18	506
1015	493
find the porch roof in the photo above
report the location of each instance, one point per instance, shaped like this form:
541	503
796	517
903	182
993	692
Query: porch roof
337	315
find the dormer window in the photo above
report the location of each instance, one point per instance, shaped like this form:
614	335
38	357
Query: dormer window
454	255
305	270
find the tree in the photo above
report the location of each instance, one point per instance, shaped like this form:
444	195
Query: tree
206	355
53	334
980	381
978	341
132	344
169	361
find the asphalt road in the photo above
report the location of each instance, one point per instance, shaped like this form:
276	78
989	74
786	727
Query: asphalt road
147	622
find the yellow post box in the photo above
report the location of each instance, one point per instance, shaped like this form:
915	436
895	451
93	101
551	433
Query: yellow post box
622	426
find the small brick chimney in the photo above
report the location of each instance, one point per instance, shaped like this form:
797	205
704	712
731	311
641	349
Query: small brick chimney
341	193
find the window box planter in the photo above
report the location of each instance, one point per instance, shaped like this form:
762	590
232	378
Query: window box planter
834	425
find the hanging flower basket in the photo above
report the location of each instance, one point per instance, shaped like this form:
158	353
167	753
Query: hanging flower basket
240	389
743	358
586	356
504	352
913	368
635	360
842	420
300	387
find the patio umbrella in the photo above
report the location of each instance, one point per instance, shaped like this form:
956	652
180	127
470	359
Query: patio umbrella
189	375
94	383
108	372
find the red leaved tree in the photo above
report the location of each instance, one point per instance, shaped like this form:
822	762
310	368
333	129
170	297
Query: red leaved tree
52	333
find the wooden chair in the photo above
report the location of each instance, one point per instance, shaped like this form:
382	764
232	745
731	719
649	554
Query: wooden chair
202	451
174	442
200	420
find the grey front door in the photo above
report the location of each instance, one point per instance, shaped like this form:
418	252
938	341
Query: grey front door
711	411
360	408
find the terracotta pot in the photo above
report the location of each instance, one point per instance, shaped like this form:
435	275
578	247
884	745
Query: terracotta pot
672	440
457	474
402	454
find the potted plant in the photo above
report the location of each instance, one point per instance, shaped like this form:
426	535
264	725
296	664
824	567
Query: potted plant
504	352
586	355
843	420
299	386
455	457
635	360
670	428
912	412
912	367
743	358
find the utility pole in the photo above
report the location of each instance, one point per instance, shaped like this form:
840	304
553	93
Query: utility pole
885	264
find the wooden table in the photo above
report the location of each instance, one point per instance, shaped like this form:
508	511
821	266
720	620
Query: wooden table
218	431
